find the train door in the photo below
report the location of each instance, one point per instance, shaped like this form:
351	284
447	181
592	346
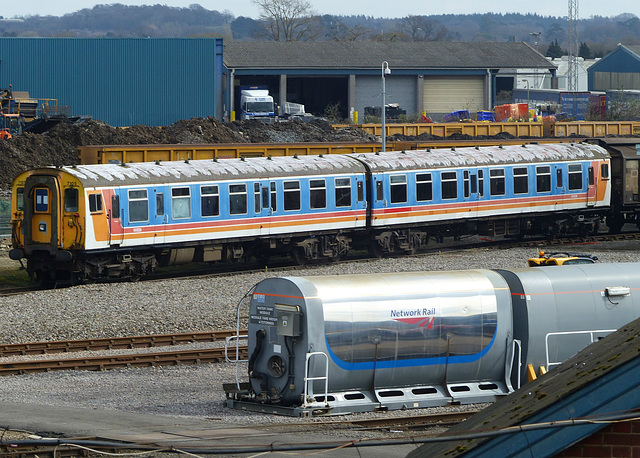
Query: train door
159	215
560	188
470	191
262	205
592	186
42	223
378	201
116	231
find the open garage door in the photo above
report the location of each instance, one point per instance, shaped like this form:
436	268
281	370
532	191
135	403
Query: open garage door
444	94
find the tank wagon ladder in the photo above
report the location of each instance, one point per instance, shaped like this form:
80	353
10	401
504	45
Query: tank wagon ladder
310	401
516	350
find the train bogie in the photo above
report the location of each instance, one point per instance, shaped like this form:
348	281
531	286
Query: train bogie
336	344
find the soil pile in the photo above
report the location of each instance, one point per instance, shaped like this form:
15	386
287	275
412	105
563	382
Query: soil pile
58	146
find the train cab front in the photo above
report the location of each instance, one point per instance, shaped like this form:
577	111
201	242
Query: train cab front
50	228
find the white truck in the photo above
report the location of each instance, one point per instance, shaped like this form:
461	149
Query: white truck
257	104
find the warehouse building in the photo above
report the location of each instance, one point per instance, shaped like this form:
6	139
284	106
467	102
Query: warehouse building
157	81
432	77
121	81
618	70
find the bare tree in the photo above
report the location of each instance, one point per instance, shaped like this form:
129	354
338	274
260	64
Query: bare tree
288	20
342	32
421	28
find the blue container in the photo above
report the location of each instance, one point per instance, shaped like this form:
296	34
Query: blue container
486	116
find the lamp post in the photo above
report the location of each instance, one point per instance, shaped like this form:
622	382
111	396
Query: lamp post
385	71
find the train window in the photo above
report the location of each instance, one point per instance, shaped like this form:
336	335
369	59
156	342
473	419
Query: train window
559	178
138	206
291	195
265	197
317	194
465	183
274	200
209	201
543	178
481	182
71	200
343	192
95	203
379	194
115	207
42	200
520	180
449	185
592	177
604	170
575	177
424	187
159	204
496	182
360	191
398	185
180	203
257	207
20	199
237	199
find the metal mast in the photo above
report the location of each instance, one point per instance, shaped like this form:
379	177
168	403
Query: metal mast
572	71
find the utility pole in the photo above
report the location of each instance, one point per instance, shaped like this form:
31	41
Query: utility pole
572	72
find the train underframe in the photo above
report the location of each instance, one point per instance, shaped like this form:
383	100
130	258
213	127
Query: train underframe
119	264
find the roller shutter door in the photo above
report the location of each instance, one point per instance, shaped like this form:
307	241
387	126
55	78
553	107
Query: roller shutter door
444	94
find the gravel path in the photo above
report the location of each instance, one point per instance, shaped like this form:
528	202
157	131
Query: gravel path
124	309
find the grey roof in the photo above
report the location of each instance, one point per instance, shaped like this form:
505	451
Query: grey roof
483	156
634	48
370	54
149	173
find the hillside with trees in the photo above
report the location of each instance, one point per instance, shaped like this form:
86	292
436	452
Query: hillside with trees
598	35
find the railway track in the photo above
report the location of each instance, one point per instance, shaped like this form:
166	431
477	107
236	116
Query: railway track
119	361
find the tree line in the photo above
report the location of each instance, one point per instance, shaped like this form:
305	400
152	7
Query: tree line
295	20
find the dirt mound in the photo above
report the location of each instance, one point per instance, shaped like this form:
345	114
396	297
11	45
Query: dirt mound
58	146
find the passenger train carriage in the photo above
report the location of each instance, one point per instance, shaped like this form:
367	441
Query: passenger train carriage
92	222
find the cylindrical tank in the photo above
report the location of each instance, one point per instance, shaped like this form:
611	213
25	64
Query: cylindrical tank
432	330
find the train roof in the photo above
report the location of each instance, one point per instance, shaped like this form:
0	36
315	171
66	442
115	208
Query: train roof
205	170
480	156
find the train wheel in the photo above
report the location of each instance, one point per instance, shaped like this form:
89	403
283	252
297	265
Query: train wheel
298	256
376	250
615	223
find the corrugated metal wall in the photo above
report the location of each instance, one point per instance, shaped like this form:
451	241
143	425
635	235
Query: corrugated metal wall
121	81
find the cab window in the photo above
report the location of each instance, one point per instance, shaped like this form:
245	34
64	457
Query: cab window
95	203
20	199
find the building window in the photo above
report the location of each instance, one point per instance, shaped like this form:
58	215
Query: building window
317	194
496	182
543	178
449	185
181	203
343	192
237	199
424	187
291	195
138	206
520	180
209	200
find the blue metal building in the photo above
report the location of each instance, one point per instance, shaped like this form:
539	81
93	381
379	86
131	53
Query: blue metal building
121	81
619	70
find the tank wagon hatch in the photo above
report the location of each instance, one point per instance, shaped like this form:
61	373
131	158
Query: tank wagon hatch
343	344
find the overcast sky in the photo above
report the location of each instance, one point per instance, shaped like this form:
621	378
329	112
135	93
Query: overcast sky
375	8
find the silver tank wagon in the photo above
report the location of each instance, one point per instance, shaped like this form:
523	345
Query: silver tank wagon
338	344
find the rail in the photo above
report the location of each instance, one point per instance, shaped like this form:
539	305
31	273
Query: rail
570	333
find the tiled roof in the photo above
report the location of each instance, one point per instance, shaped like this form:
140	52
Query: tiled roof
371	54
